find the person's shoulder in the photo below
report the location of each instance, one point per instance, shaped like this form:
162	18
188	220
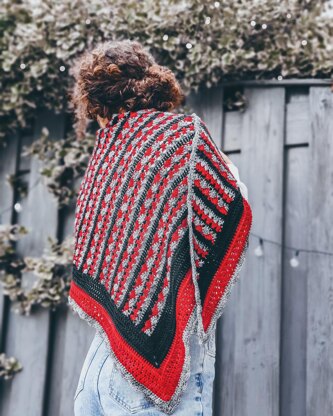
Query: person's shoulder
185	119
178	114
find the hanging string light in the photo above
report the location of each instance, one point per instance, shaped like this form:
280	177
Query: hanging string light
294	262
18	207
258	251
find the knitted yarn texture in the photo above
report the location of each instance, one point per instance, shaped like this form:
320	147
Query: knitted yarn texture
161	231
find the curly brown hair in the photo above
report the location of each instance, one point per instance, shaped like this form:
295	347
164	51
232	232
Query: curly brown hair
119	76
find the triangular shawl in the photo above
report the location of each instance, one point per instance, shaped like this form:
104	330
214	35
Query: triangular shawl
161	230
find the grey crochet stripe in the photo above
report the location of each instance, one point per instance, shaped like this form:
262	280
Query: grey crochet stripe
227	188
193	160
165	406
212	192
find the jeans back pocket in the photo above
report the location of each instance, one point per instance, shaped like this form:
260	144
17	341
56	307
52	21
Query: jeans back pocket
94	346
126	395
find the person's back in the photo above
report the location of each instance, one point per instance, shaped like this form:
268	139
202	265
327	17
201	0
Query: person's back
161	229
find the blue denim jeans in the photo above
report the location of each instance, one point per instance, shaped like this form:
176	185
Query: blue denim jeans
102	391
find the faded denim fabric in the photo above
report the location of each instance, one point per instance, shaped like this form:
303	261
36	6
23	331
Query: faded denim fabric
102	391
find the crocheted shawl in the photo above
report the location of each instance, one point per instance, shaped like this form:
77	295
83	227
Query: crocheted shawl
161	230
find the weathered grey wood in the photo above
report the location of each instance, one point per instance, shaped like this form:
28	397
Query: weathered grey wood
27	337
294	288
225	382
232	130
255	363
225	335
56	360
209	108
320	233
77	336
297	118
7	167
274	340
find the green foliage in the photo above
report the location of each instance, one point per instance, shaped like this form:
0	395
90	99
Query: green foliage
64	160
51	272
204	43
8	366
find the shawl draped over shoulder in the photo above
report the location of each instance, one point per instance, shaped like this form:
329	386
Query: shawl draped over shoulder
161	231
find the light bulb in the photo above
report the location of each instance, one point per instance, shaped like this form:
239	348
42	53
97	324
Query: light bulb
294	262
18	207
258	251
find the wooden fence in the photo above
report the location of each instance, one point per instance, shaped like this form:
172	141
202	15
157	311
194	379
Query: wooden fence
275	338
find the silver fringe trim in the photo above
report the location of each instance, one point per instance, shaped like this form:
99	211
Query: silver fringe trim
222	302
203	336
200	329
165	406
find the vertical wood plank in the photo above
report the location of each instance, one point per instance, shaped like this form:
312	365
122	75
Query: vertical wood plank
254	362
56	362
320	233
297	116
77	336
225	336
293	334
28	336
232	130
208	104
7	167
294	289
